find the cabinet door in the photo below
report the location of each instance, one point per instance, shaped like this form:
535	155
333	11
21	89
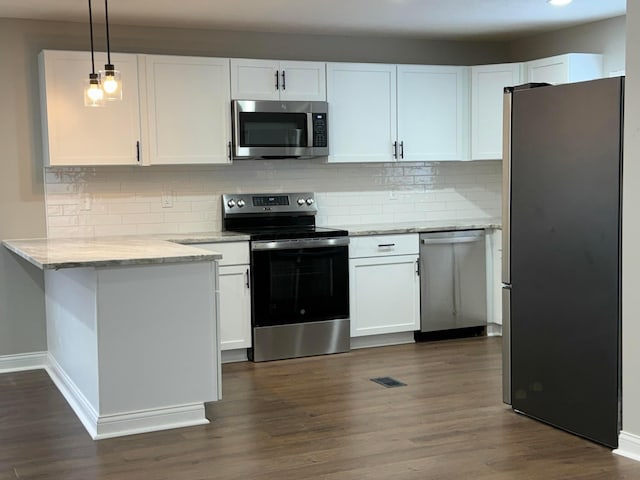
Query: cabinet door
77	135
433	113
235	307
189	110
304	81
384	295
362	112
254	79
487	93
572	67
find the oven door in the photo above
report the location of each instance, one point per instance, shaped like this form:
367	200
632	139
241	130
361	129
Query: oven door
299	281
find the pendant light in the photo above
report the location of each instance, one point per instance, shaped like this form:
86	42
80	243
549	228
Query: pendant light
93	93
110	77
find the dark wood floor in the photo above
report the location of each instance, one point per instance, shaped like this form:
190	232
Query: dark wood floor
316	418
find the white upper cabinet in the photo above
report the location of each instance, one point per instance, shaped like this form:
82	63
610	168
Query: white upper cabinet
384	113
433	113
487	92
568	68
188	106
277	80
362	112
77	135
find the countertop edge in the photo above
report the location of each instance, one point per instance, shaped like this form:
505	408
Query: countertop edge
355	231
189	257
23	255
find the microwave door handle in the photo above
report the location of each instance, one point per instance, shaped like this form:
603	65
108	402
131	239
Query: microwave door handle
309	130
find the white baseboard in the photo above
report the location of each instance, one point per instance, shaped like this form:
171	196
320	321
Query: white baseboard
110	426
383	340
129	423
83	409
231	356
494	330
23	361
628	446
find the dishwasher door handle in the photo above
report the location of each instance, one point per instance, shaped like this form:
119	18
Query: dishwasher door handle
449	240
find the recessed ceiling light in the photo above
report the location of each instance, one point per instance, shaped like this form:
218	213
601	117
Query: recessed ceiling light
559	3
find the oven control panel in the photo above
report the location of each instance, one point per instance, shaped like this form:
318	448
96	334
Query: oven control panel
237	204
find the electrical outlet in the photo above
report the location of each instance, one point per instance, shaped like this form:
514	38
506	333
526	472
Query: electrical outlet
85	201
167	199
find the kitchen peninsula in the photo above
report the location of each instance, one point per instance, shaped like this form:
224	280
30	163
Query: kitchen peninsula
132	330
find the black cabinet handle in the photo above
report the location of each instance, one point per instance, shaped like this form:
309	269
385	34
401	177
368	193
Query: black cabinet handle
247	277
383	245
401	149
284	81
395	150
277	80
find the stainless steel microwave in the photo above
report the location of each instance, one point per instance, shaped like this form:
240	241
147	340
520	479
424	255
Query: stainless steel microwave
274	129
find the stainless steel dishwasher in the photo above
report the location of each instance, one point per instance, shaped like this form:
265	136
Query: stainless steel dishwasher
453	288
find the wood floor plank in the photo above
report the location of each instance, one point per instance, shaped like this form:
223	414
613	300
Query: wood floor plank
316	418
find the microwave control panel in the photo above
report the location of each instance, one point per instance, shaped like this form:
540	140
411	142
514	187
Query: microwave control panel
319	129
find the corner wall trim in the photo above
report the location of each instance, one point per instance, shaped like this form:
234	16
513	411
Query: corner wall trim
628	446
23	361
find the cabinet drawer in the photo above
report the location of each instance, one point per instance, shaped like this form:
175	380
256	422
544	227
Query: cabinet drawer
382	245
233	253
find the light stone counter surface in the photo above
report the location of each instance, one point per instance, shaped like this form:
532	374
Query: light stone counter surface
53	254
420	227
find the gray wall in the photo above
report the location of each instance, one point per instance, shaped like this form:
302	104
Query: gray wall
631	232
606	37
21	193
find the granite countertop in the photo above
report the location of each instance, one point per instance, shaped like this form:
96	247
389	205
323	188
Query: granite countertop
420	226
50	254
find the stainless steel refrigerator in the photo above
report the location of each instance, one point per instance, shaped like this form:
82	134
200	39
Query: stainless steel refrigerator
561	255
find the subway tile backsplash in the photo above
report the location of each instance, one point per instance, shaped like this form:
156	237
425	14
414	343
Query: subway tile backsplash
98	201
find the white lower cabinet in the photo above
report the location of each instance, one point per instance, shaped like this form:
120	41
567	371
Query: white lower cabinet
235	294
235	307
384	284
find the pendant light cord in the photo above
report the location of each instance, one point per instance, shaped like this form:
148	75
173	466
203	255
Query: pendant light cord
93	68
106	18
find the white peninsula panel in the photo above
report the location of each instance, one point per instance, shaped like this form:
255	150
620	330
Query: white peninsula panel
132	330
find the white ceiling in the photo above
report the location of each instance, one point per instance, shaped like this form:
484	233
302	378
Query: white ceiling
459	19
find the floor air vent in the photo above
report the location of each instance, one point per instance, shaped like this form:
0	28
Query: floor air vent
388	382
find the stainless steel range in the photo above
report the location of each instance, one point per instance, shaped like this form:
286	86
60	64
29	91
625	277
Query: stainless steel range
299	275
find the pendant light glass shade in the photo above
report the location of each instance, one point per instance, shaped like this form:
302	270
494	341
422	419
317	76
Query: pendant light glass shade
93	94
111	82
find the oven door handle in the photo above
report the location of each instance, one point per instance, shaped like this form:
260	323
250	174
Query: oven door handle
299	243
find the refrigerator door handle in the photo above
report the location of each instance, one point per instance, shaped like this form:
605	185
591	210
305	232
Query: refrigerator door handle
506	186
